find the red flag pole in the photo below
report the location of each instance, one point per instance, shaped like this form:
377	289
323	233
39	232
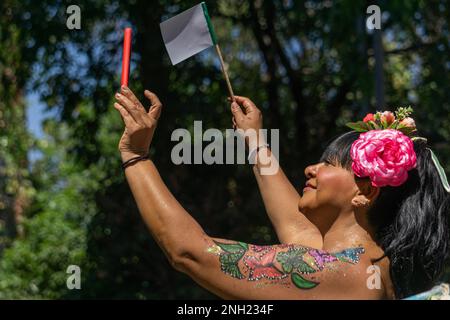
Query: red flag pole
126	56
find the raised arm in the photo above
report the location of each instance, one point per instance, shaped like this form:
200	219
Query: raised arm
279	195
229	269
163	214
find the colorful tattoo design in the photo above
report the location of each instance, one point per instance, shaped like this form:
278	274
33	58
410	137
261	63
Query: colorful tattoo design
270	263
230	256
263	267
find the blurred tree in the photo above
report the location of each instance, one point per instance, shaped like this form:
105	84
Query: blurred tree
56	226
308	64
15	186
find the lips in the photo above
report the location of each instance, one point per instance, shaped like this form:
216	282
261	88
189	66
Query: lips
309	185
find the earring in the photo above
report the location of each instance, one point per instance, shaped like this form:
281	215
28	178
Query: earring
359	202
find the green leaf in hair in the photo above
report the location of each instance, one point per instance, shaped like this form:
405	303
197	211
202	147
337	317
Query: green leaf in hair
359	126
440	171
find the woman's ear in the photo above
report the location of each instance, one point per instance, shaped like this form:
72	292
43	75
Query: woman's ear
366	193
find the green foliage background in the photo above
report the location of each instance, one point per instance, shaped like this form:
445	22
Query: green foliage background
309	65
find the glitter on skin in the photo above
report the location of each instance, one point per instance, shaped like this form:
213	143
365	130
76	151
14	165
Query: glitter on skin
262	263
261	285
214	249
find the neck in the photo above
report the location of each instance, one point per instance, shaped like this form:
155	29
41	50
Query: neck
350	229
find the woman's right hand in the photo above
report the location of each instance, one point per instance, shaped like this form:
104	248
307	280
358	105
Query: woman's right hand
249	118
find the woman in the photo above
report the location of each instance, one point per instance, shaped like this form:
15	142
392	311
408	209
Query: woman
351	235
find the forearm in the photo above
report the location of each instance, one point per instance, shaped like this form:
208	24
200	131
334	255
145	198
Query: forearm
281	203
170	224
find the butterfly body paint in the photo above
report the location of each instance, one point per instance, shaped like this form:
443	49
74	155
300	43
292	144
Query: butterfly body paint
276	263
321	258
350	255
263	267
229	257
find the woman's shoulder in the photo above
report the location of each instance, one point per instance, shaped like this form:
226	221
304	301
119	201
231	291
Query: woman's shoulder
378	271
366	266
383	265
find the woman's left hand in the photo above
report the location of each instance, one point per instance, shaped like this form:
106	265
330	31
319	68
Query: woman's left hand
140	125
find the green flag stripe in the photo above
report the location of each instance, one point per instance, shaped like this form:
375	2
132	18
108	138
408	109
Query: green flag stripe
210	26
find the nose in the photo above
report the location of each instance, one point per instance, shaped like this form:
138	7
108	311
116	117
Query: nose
311	171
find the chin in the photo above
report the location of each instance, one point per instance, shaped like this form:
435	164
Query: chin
303	206
310	212
307	205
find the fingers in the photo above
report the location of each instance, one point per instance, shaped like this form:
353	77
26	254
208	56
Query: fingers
248	104
135	111
130	95
127	118
238	114
156	105
234	123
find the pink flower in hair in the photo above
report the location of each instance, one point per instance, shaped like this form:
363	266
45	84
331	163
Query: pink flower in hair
385	156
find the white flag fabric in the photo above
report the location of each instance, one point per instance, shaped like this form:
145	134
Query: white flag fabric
187	33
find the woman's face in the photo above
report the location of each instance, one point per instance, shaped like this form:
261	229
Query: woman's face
330	191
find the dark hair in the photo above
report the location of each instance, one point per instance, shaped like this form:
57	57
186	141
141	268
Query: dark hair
411	222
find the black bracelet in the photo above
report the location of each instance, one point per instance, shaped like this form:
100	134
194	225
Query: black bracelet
134	160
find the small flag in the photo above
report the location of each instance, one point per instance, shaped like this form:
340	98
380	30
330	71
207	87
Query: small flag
188	33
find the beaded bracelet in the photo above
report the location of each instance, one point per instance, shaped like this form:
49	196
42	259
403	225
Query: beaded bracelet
134	160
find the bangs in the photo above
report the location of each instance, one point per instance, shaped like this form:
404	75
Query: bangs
338	151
